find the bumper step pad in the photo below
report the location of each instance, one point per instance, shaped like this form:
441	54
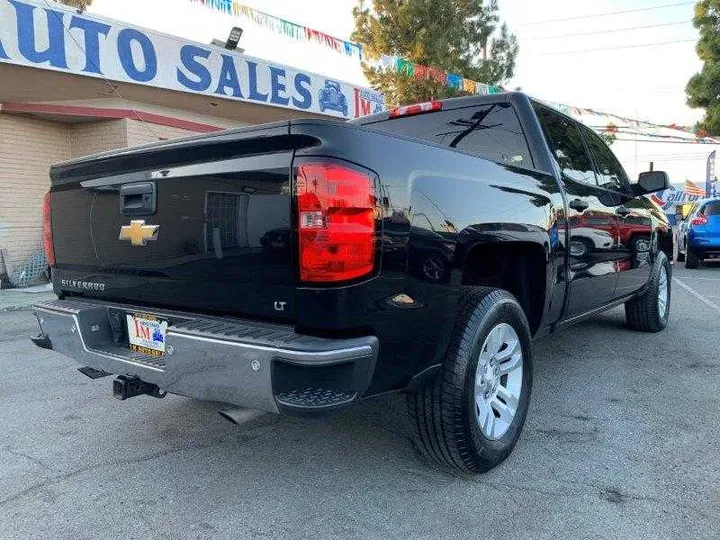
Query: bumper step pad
315	397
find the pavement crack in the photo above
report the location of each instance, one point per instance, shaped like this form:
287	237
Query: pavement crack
26	456
528	489
52	480
391	431
618	496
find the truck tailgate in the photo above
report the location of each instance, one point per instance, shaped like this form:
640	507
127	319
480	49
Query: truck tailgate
201	224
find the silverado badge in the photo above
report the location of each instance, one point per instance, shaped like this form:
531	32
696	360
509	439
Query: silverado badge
138	233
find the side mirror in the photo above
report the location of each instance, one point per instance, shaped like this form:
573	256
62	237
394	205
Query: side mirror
652	181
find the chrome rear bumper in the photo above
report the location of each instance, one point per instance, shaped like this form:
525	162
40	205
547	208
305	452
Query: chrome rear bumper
257	365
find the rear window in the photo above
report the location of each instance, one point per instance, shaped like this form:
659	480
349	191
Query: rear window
491	131
712	209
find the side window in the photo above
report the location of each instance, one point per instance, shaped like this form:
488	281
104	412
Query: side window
610	173
566	144
712	209
492	131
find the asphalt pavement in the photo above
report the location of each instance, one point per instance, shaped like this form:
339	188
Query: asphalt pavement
621	441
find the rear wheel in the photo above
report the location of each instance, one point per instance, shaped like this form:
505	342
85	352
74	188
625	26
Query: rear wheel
639	243
692	261
470	415
650	311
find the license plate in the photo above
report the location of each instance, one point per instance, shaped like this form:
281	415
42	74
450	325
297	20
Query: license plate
146	334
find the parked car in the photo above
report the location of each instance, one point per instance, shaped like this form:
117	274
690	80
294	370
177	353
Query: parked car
699	234
586	240
681	228
427	247
332	98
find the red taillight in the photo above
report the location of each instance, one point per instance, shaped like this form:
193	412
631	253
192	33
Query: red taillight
418	108
700	220
336	222
47	231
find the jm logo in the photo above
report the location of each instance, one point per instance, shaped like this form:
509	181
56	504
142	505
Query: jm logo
280	306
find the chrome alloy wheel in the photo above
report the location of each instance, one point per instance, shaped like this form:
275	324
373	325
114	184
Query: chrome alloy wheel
498	381
663	286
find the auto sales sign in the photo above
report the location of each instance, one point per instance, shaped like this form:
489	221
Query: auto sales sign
47	35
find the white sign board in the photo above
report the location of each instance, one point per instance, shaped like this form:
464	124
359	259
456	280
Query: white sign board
46	35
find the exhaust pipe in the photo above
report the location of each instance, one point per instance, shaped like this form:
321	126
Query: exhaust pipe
241	415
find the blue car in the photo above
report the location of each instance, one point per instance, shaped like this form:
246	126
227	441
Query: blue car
331	98
699	234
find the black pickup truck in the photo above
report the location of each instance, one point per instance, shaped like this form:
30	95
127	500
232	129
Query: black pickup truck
298	267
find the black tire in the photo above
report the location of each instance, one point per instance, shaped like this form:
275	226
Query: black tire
635	240
680	257
442	411
589	246
692	261
643	313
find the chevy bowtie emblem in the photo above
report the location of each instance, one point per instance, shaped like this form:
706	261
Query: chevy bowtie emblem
138	233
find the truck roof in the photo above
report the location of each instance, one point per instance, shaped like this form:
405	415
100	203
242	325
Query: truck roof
452	103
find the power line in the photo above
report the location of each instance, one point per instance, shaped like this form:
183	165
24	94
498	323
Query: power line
664	159
639	45
606	14
613	30
695	155
112	86
638	133
666	141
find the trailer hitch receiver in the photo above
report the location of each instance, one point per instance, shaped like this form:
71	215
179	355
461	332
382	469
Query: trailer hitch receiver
127	386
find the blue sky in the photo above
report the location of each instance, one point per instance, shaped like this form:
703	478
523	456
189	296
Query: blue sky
642	82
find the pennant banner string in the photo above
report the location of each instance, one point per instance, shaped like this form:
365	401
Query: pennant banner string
281	26
406	67
418	71
624	122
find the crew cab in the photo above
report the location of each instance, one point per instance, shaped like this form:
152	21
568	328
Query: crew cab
301	266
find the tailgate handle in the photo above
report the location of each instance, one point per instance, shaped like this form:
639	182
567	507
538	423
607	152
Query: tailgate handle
138	199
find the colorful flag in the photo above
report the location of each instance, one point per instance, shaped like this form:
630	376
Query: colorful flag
693	189
281	26
454	81
405	66
437	75
422	72
710	174
388	62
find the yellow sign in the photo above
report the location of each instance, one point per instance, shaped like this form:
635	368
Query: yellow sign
138	233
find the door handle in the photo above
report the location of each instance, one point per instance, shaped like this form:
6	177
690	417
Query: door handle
138	199
579	205
622	211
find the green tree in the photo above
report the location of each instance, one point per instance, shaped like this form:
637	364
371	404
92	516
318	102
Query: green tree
457	36
609	138
609	134
82	5
703	90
